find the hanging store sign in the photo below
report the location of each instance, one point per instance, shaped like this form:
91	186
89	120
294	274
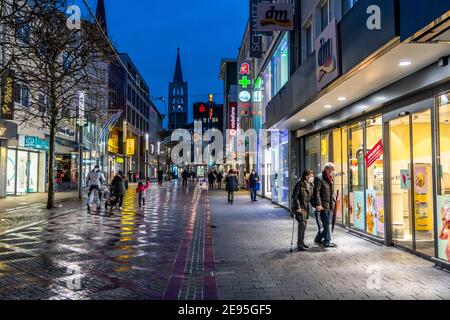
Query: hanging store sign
255	37
35	143
7	96
327	60
232	118
130	147
244	88
275	17
374	154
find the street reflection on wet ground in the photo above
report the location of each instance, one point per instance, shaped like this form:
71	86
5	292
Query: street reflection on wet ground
137	253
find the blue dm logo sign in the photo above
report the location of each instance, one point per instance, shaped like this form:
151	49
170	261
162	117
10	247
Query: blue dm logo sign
36	143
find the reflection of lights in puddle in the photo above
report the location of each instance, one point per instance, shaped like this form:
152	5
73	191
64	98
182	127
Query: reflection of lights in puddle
125	239
124	257
122	269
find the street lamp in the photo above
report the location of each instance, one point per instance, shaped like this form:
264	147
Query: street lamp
146	155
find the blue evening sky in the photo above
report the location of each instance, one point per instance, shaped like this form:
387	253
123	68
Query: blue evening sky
150	32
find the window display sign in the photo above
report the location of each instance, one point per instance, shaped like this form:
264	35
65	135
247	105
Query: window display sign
374	154
405	182
423	205
443	223
375	213
358	209
130	147
327	60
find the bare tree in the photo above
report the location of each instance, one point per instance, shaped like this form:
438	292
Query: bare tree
59	68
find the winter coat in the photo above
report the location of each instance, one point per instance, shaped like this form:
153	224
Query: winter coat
252	181
118	186
301	197
142	188
95	178
231	183
323	194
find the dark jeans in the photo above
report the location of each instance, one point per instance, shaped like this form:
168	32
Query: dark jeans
185	180
302	223
141	199
323	220
253	193
230	197
119	200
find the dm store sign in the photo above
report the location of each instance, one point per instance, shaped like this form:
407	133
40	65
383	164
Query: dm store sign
327	62
36	143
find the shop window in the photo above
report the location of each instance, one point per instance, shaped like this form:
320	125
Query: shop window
11	172
375	186
324	149
325	14
357	176
338	162
309	39
312	152
443	197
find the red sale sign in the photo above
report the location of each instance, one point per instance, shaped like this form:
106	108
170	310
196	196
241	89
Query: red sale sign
374	154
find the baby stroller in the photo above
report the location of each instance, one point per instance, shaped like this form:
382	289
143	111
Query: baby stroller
110	199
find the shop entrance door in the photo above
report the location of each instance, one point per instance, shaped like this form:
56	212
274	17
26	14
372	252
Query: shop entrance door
411	183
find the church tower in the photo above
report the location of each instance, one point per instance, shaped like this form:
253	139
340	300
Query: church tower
178	98
100	15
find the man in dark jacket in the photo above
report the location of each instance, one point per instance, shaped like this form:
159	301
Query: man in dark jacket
252	182
324	202
301	198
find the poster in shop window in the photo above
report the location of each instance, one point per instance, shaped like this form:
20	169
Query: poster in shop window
443	223
375	213
423	198
358	210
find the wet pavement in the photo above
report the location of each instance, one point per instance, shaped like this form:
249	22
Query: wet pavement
190	244
151	253
252	243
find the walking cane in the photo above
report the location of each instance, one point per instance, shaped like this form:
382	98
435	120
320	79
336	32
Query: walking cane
293	229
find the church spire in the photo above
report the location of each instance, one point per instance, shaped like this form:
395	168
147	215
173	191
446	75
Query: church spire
178	75
100	15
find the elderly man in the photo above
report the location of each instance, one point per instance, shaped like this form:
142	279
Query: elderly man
324	202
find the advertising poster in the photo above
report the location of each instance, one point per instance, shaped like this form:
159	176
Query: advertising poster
405	182
372	212
358	209
420	180
443	223
423	206
380	220
351	211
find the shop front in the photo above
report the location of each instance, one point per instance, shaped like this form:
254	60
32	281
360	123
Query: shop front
26	166
392	178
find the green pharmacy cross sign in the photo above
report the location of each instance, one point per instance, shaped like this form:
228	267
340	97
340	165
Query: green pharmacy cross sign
244	82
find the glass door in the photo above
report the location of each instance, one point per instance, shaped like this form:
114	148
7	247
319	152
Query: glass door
412	204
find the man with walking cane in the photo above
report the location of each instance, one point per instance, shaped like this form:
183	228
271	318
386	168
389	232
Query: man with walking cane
301	198
324	202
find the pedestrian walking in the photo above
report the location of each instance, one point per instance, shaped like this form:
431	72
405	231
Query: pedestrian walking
119	188
95	179
185	176
324	202
301	198
252	182
219	180
160	178
140	190
231	185
211	179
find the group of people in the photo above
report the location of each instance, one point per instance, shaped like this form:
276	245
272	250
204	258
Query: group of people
188	174
317	193
114	195
215	177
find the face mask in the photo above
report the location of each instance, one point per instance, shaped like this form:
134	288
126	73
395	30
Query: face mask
311	180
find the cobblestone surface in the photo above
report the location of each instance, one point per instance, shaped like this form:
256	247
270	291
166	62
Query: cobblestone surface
253	261
104	255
